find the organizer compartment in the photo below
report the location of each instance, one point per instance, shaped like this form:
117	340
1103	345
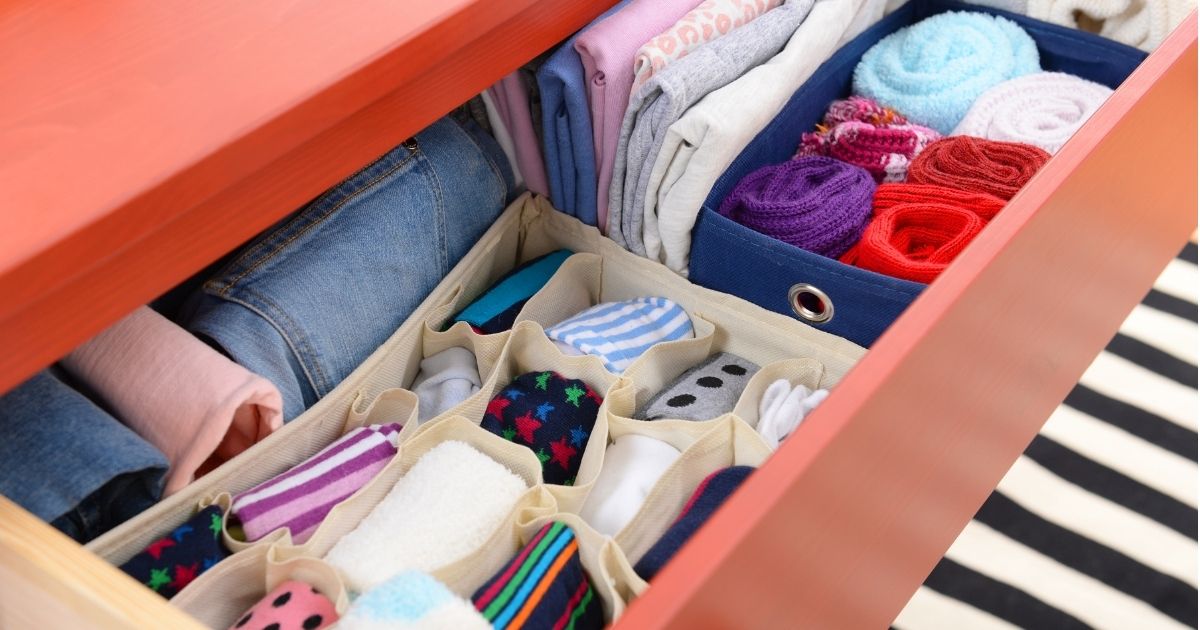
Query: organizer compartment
861	304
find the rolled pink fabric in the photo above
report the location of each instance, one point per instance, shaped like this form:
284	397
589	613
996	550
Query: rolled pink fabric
512	102
302	497
607	50
193	404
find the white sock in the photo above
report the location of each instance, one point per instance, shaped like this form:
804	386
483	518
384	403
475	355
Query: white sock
444	380
783	408
632	465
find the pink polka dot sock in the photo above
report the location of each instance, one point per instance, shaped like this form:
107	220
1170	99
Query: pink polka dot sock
291	606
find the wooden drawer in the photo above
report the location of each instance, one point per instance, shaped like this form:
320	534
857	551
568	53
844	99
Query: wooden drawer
844	525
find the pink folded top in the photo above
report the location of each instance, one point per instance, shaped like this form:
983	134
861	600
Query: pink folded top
512	102
193	404
607	51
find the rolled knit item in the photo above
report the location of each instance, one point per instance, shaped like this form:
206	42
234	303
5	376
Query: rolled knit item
708	21
934	70
783	408
816	203
444	380
497	309
918	230
173	561
995	168
632	465
705	391
293	605
446	506
412	600
620	332
1043	109
543	586
302	497
1141	23
885	152
861	109
193	404
706	499
550	414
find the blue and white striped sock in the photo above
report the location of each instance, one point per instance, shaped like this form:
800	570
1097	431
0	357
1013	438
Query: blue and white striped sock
619	332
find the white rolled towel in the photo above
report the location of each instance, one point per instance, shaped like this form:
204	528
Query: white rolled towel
447	506
783	408
1043	109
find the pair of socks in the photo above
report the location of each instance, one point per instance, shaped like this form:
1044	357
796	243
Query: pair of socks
293	605
497	309
543	586
550	414
705	391
173	561
620	332
632	465
302	497
706	499
446	506
783	408
444	380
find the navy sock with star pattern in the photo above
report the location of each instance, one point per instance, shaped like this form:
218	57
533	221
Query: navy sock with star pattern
550	414
173	561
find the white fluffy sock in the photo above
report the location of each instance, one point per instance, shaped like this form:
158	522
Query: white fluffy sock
447	506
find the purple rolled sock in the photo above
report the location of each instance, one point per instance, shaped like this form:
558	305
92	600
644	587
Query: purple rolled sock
816	203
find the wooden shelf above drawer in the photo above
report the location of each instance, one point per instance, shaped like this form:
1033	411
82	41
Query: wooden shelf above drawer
142	141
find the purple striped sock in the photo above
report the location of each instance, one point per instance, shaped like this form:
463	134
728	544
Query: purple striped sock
300	498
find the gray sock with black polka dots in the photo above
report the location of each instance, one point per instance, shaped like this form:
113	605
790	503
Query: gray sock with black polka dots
703	392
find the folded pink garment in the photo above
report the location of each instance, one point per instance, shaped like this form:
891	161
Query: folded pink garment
302	497
607	50
512	101
193	404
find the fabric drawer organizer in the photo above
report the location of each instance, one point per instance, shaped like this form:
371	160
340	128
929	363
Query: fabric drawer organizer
864	303
598	271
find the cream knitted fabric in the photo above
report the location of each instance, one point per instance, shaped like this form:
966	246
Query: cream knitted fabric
1043	109
1141	23
444	508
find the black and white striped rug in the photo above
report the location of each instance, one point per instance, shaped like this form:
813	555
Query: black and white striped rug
1095	524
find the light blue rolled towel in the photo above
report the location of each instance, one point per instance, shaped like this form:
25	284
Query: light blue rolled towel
934	70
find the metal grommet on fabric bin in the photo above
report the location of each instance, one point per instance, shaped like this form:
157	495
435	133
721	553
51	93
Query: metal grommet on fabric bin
810	303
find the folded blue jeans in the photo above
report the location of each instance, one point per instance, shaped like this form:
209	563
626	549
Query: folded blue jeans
72	464
308	301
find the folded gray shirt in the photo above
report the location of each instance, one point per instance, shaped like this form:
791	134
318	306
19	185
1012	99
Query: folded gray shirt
670	92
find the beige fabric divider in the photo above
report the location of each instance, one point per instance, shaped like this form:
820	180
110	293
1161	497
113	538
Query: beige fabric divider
220	596
601	271
807	372
730	442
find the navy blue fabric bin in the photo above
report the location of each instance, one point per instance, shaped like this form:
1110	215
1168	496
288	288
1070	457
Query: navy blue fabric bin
734	259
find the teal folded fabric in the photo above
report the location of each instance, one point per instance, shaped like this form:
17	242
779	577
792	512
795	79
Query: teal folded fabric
495	310
933	71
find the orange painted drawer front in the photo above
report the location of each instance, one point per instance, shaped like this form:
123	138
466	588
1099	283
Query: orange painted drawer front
839	527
